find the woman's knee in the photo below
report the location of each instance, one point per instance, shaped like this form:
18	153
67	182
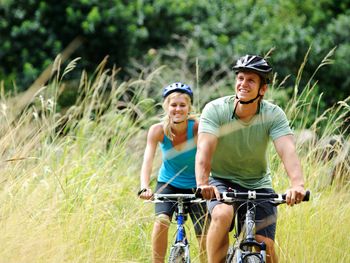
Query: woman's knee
162	221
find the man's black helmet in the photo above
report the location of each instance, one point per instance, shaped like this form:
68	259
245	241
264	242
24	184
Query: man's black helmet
256	64
177	87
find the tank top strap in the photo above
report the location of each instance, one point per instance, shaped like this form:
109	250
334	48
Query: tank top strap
190	125
166	141
190	129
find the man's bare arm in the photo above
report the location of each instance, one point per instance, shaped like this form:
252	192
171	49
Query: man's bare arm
206	146
285	147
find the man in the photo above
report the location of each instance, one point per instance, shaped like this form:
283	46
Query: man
234	132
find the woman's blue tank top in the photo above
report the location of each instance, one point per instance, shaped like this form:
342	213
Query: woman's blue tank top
178	167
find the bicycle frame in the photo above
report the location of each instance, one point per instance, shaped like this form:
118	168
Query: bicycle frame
179	251
180	219
243	249
246	240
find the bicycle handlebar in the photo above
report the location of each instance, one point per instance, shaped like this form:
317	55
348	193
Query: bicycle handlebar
185	198
253	195
235	196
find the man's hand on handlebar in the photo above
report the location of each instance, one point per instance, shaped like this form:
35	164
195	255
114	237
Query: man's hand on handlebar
209	192
295	195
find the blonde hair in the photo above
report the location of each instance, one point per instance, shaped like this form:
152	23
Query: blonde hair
166	118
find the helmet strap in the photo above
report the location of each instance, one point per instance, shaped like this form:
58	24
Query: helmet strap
244	102
249	101
234	111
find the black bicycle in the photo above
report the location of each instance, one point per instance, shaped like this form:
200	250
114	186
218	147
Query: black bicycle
180	249
243	250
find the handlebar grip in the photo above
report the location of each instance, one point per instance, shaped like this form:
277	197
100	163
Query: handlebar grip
306	196
198	193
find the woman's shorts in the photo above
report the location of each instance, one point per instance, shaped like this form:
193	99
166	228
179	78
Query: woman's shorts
197	211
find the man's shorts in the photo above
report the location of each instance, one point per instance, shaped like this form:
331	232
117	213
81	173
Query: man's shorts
265	213
197	211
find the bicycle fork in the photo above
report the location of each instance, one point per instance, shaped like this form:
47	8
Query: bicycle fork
249	242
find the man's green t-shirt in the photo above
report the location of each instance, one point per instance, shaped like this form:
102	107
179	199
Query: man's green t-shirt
241	152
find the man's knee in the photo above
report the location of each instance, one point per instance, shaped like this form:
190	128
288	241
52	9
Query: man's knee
221	217
270	244
222	212
271	255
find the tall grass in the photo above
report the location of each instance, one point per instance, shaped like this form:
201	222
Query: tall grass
316	231
69	178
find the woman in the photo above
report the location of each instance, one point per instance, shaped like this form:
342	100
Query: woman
177	137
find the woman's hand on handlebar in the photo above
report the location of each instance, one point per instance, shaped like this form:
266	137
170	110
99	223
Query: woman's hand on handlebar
209	192
145	193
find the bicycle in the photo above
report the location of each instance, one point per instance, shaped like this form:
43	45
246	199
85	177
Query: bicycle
242	250
180	249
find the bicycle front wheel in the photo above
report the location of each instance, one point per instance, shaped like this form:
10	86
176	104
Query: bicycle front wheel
253	259
179	254
230	255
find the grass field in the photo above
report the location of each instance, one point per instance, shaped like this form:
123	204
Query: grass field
69	182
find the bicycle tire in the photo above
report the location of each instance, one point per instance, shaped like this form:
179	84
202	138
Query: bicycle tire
252	259
230	255
179	254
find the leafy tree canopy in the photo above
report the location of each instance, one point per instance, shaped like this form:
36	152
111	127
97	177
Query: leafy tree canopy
33	32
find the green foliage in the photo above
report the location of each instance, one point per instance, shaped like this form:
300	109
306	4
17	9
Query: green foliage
34	32
39	30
